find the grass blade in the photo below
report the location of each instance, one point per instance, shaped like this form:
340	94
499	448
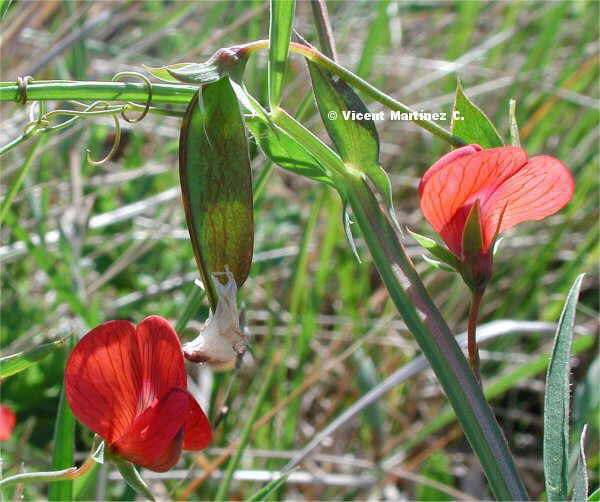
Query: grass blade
269	488
280	33
580	488
556	402
246	432
20	361
62	454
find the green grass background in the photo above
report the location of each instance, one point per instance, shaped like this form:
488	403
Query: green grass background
307	299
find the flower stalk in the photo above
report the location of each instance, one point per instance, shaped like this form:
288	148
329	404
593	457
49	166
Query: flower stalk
472	333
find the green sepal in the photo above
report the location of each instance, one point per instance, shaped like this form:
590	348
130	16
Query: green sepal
440	265
437	250
163	72
472	238
98	453
230	61
472	125
216	184
132	477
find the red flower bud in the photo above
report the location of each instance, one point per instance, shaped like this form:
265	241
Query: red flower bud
509	187
128	384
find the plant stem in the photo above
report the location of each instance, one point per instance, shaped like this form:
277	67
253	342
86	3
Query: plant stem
323	25
438	344
421	316
165	93
472	333
99	91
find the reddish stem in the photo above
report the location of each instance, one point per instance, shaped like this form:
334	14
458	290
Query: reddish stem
472	332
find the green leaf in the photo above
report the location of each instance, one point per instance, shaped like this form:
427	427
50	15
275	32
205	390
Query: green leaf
64	444
595	497
133	478
268	489
580	488
4	6
280	34
437	250
216	184
556	402
470	124
20	361
353	133
284	151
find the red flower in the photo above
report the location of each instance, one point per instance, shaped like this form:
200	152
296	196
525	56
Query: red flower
7	422
509	187
128	384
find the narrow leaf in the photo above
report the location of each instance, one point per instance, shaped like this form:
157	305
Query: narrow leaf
133	478
15	363
4	6
556	402
64	444
470	124
216	184
268	489
595	497
580	488
351	129
280	34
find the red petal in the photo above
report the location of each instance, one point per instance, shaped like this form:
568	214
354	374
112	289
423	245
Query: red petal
102	379
198	433
155	438
161	360
449	192
540	188
7	422
445	160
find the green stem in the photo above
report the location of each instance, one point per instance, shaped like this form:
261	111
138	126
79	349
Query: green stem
438	344
421	316
312	54
165	93
99	91
66	474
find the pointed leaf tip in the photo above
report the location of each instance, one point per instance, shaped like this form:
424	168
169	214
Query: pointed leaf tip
471	124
